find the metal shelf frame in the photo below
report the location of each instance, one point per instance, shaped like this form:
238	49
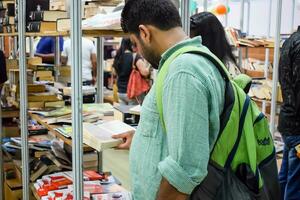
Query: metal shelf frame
275	67
76	35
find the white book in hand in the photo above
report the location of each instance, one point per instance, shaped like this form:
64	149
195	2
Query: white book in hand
99	136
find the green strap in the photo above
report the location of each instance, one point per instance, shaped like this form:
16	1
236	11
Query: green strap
165	68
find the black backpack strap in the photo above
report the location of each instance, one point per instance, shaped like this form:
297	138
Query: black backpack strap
241	126
229	92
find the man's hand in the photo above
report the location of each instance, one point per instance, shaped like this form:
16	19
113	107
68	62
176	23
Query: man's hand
127	139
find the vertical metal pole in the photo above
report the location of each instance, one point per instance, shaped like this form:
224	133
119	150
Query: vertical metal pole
76	61
268	36
205	5
226	16
57	57
293	16
100	64
248	17
242	29
31	41
2	43
242	15
267	53
276	66
15	51
10	49
23	98
1	156
185	15
100	161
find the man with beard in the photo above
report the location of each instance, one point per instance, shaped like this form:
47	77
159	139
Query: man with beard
168	165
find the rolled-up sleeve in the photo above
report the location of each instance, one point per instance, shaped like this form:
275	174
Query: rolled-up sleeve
186	115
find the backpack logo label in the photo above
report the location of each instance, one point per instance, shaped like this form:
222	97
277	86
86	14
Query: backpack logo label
264	142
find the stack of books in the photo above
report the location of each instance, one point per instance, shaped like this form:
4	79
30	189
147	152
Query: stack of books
44	21
96	186
90	161
38	97
43	72
256	68
57	5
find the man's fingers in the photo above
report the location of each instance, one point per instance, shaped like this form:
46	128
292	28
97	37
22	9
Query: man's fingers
122	136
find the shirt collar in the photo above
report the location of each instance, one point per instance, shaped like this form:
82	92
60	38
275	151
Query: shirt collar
196	41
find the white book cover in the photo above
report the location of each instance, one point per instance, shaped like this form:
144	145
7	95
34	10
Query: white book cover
99	136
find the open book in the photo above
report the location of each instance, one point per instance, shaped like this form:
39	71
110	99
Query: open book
99	136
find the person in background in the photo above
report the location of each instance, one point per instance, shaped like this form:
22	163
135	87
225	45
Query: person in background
289	117
124	60
208	26
46	48
89	60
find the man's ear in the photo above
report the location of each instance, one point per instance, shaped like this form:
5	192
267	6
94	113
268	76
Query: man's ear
145	34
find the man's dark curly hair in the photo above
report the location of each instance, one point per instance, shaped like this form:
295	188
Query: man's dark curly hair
159	13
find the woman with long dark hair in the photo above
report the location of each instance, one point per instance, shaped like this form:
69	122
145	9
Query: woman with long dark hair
208	26
123	63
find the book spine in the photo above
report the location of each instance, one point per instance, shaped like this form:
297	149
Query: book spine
34	27
44	68
11	9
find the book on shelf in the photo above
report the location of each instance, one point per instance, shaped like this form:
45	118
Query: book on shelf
53	112
35	105
31	88
43	74
55	104
63	180
11	10
45	78
58	162
99	136
103	108
136	110
47	15
90	156
42	96
41	27
60	153
63	24
86	90
58	5
39	171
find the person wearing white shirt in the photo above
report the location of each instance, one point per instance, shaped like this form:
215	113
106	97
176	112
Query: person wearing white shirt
89	60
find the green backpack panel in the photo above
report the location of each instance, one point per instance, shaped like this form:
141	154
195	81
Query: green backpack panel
242	163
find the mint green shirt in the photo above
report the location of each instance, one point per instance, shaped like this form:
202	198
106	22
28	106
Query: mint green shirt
193	99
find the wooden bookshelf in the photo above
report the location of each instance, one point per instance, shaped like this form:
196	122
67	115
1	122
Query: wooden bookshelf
8	34
51	128
257	53
98	33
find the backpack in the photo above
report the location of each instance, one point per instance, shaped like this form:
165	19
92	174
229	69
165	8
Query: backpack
242	163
